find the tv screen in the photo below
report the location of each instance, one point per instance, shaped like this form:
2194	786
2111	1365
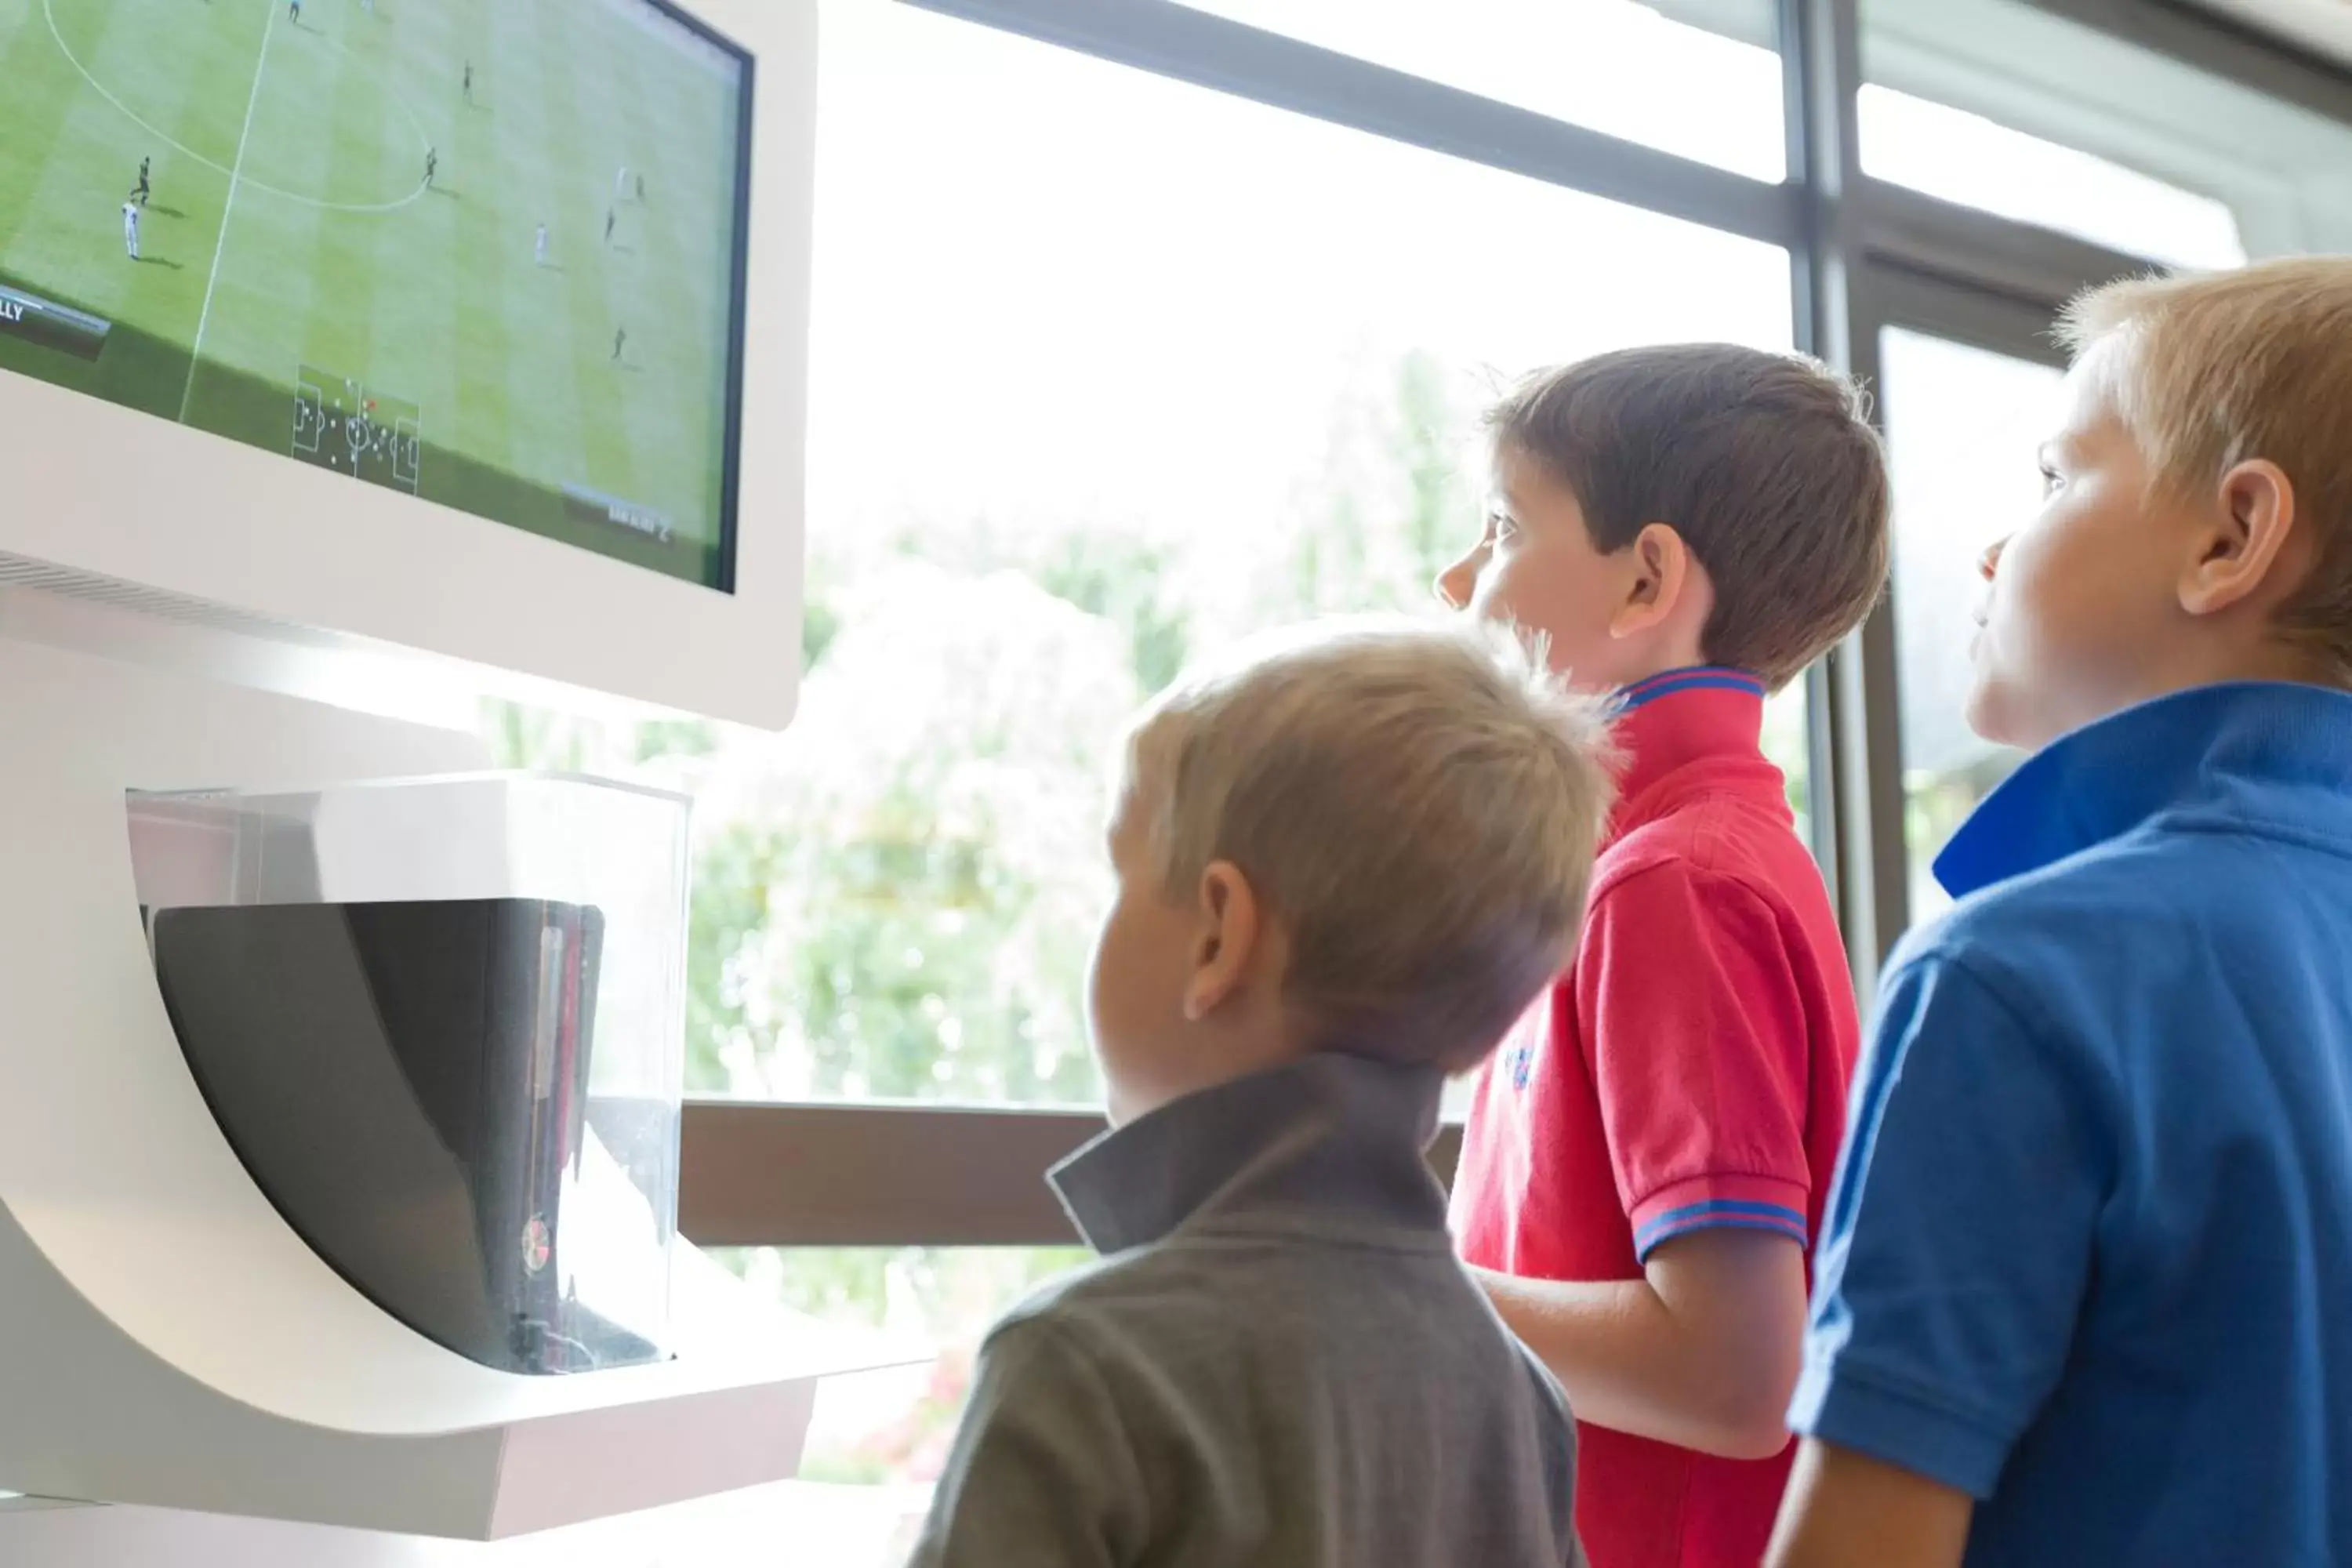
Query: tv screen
490	252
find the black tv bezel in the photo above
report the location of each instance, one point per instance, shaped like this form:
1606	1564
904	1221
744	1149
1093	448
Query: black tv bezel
738	282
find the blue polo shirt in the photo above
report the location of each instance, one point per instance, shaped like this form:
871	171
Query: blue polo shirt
2088	1257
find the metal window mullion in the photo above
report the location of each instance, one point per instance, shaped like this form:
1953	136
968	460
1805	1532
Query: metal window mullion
1959	313
1912	232
1817	263
1174	40
1858	771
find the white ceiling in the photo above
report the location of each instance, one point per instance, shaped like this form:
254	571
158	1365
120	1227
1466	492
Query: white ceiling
2323	26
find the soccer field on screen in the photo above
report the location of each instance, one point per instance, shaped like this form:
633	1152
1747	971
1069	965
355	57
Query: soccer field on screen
302	286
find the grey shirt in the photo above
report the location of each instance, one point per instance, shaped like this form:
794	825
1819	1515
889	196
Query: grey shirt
1277	1364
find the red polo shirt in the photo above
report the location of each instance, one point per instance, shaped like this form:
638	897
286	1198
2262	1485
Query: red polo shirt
1688	1070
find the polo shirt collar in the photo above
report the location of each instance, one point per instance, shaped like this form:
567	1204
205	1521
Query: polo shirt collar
2212	746
1330	1139
1680	716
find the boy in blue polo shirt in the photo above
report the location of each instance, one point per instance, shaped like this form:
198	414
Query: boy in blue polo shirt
2085	1285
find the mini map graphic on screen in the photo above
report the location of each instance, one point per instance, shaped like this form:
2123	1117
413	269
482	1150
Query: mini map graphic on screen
341	425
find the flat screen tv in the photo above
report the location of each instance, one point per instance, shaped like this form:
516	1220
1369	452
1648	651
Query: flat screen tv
488	253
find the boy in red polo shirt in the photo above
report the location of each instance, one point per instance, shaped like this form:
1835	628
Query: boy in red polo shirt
1648	1155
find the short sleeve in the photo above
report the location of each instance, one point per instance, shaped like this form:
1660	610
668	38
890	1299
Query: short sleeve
1959	1234
1041	1471
1699	1052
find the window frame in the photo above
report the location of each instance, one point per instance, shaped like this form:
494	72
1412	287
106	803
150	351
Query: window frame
1863	256
764	1174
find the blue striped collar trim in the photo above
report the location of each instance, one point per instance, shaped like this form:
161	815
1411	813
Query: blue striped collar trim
1698	677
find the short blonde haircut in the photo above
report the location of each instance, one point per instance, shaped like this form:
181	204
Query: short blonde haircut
2210	372
1417	803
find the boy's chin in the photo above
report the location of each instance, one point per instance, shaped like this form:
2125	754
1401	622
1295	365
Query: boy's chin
2016	713
1992	714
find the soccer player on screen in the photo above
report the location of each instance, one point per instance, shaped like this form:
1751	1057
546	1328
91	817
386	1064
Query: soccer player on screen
432	163
469	81
542	245
141	189
294	11
131	229
620	338
610	216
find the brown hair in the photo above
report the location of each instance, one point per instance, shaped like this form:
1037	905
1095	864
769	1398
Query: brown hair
1766	463
1418	803
2250	364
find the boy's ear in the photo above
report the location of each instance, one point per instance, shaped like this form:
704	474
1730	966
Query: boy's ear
1228	929
2242	553
1659	565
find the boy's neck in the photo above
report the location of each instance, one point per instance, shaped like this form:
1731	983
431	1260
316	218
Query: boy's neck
1674	674
2270	660
1230	1056
1658	662
2195	668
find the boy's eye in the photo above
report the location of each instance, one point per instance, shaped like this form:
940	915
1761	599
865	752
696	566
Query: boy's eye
1500	527
2050	480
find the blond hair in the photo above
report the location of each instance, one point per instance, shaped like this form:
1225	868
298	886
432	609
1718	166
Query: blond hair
1765	463
1417	803
2217	370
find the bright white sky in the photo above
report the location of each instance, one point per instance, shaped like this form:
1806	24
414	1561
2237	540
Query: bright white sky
1052	292
1612	65
1053	289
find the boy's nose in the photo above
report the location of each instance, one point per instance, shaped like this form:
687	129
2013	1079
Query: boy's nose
1453	584
1989	562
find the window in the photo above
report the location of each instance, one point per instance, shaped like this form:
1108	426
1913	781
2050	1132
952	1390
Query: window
1966	158
1598	63
1963	428
1999	105
1082	405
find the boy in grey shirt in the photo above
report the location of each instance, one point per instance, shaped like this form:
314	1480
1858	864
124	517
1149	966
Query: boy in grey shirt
1346	862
